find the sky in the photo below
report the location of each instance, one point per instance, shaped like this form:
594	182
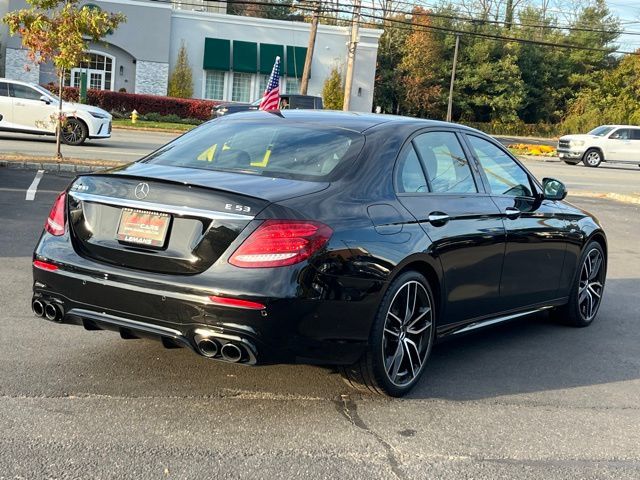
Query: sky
628	11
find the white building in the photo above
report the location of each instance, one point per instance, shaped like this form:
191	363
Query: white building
230	56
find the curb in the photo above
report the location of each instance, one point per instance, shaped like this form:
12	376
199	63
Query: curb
538	158
617	197
69	165
151	129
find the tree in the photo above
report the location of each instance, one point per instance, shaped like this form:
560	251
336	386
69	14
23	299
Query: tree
181	80
615	99
333	91
421	54
388	92
58	31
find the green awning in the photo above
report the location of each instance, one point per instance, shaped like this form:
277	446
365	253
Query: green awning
245	56
295	61
217	54
268	54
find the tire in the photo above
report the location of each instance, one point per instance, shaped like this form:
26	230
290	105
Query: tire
74	132
586	290
400	341
592	158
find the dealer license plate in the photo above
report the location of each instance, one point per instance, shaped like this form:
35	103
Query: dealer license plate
141	227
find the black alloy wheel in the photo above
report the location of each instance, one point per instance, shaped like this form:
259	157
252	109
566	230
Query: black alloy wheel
401	339
74	132
588	288
592	158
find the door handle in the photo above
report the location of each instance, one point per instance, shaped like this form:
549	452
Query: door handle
438	218
18	104
512	213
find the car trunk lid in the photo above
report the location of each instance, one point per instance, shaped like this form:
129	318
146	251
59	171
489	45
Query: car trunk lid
167	221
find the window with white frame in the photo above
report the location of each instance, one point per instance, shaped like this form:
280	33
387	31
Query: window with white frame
263	80
214	85
293	85
241	87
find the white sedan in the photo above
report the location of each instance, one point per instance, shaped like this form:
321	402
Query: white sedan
30	108
607	143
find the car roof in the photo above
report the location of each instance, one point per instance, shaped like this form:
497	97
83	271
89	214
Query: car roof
19	82
355	121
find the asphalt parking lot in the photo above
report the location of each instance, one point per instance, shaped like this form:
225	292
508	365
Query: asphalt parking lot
527	399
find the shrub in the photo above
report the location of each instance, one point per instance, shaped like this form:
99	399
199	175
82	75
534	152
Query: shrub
332	91
181	79
118	102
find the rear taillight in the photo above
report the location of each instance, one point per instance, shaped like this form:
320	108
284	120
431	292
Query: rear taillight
45	265
57	217
277	243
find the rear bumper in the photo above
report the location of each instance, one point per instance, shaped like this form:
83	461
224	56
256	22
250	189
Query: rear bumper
286	331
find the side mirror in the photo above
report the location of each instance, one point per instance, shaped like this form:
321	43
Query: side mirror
553	189
45	99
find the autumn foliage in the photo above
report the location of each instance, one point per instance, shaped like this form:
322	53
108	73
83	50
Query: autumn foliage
422	90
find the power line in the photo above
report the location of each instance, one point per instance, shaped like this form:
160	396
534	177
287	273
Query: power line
503	22
450	31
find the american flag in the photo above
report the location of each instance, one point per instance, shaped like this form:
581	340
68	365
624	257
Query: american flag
271	97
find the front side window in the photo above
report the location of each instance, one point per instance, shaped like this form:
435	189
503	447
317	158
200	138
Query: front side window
447	167
505	176
24	92
410	177
621	134
214	85
241	91
284	150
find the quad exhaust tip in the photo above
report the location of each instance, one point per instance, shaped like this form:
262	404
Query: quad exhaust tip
208	347
38	308
231	352
48	310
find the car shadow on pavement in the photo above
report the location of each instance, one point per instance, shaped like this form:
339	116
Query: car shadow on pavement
532	354
535	353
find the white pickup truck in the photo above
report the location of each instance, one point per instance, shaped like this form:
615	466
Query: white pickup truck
607	143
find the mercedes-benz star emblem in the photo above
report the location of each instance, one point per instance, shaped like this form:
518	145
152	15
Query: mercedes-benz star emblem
142	190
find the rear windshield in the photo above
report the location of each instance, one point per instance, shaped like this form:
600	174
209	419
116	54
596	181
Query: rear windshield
268	148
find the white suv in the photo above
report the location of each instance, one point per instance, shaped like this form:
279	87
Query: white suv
29	108
607	143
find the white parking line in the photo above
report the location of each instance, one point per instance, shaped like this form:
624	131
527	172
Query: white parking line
31	191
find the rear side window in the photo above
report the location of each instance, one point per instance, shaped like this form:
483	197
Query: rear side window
447	167
410	177
505	176
635	134
24	92
273	148
4	89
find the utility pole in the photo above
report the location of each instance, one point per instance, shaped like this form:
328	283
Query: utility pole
306	73
453	78
355	27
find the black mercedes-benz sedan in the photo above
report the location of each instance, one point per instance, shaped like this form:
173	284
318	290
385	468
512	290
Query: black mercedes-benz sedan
318	237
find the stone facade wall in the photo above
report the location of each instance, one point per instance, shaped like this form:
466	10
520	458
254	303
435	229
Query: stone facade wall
152	78
15	61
